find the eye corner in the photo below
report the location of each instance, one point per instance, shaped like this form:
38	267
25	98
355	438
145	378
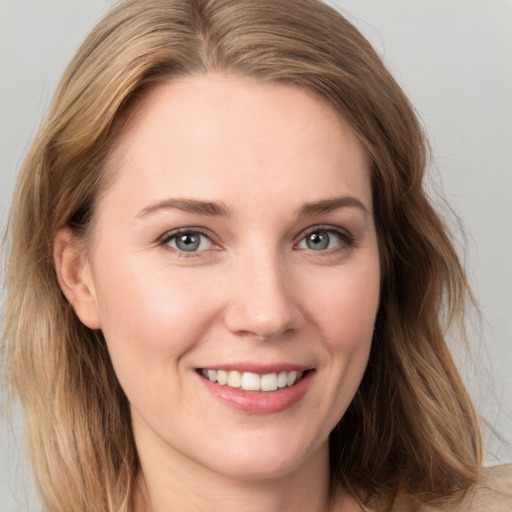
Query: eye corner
322	238
189	241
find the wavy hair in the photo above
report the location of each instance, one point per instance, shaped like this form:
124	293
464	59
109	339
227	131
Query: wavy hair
411	431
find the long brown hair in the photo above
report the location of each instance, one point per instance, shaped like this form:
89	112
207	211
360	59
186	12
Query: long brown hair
411	429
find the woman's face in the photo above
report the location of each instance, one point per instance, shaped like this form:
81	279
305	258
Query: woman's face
236	243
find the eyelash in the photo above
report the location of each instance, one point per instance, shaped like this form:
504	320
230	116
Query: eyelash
347	240
172	235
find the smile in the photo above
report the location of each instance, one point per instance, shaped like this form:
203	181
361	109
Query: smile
257	390
249	381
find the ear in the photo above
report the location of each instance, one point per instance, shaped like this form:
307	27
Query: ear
75	278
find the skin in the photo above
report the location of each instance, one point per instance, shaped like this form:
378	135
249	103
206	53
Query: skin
253	291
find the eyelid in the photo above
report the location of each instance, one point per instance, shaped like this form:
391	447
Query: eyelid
346	236
169	235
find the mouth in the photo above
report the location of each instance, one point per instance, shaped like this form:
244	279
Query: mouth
250	381
258	389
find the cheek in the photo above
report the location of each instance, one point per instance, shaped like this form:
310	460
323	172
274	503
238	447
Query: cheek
149	316
346	314
348	308
342	317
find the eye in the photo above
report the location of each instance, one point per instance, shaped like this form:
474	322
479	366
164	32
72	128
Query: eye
187	241
322	239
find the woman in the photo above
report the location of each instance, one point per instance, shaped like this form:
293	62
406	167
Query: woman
226	286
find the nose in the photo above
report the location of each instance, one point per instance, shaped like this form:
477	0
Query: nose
262	302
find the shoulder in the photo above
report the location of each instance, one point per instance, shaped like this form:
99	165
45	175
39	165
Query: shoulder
494	491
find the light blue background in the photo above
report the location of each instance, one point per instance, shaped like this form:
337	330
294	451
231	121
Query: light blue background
454	60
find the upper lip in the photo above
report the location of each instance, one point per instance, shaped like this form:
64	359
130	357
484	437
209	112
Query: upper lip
261	369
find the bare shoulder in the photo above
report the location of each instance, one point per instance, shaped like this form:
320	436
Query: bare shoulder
494	492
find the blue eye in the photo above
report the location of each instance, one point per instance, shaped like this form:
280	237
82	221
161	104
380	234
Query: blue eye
325	239
318	241
188	241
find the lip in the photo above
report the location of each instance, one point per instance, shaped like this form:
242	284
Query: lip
260	402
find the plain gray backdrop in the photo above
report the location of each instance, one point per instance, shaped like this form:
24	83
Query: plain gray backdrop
454	60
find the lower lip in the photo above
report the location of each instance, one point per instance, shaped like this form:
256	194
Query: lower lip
260	402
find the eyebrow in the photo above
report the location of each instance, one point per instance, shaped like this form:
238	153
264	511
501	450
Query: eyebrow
190	206
219	209
329	205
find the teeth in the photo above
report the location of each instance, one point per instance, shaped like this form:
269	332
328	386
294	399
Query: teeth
234	379
249	381
222	377
292	377
269	382
282	380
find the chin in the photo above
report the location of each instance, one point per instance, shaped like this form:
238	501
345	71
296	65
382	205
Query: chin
267	458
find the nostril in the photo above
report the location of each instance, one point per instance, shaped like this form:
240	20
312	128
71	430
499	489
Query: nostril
246	322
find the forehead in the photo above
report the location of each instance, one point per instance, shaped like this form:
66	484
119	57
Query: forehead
216	136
